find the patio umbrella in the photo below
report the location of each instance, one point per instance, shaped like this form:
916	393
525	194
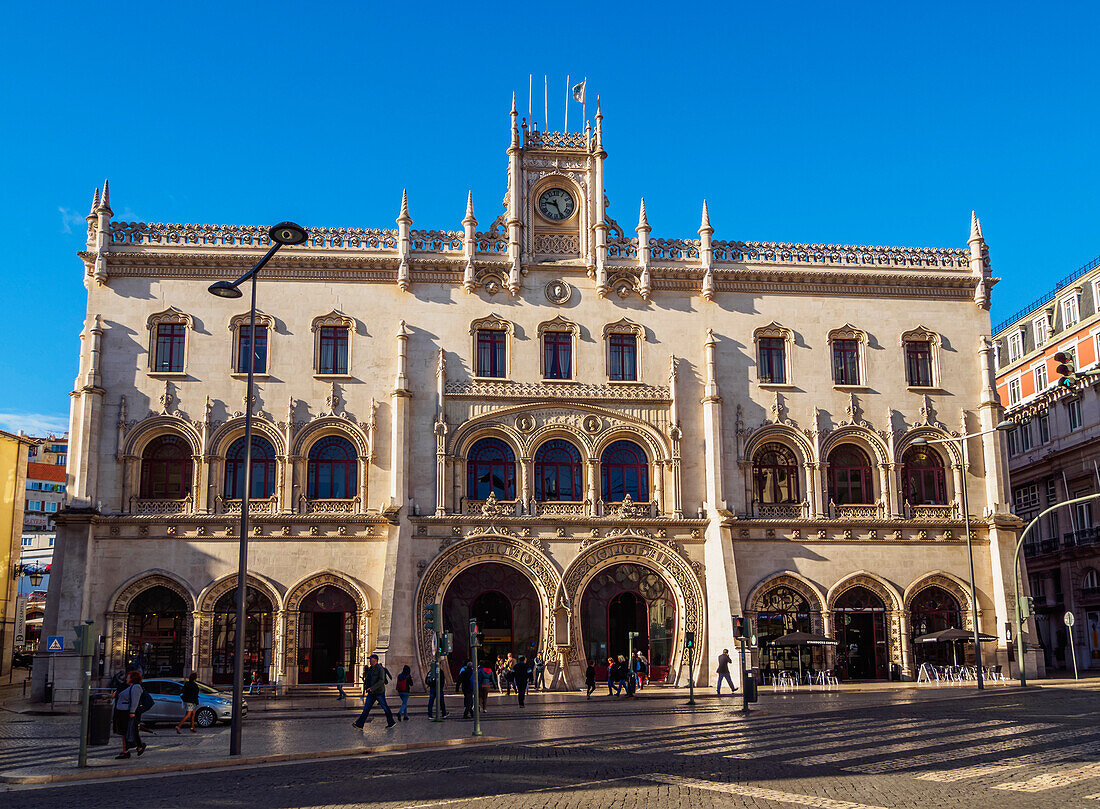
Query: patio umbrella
803	639
951	636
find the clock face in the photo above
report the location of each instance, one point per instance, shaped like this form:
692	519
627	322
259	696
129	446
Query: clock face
556	204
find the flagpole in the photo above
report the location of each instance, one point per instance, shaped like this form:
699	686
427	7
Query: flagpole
584	103
568	90
545	101
530	84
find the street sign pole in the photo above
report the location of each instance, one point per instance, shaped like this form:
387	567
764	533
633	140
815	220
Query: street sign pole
744	685
477	678
691	675
1068	619
84	638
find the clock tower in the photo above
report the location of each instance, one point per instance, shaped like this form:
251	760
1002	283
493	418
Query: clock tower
556	204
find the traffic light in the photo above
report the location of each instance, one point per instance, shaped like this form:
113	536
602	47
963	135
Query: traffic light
1067	373
475	635
739	628
431	619
689	640
447	645
1027	607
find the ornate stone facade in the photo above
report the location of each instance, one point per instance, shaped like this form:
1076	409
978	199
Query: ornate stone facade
604	412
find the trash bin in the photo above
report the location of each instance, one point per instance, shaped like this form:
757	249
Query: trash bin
750	688
100	713
895	672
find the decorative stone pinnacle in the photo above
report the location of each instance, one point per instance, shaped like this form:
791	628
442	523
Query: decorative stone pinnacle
514	103
95	200
975	228
105	199
469	209
404	215
705	224
642	221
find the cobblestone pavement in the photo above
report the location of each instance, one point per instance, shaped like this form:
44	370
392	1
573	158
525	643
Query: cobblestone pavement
1007	749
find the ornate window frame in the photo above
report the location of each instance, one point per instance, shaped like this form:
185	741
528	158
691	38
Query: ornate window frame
850	332
236	324
922	334
559	324
623	326
493	322
171	315
338	319
775	331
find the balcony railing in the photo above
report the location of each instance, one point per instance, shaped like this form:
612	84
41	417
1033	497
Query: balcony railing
870	511
563	508
1090	592
627	509
780	511
1085	536
154	505
269	505
490	508
336	507
1048	545
932	512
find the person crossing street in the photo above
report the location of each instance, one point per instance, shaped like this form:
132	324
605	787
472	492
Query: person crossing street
375	679
724	661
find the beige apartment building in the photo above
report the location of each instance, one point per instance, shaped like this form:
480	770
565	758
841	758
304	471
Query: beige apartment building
552	422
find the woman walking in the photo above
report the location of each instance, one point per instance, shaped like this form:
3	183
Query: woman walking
404	688
128	714
612	675
590	678
190	699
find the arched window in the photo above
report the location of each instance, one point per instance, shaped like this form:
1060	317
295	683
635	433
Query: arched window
263	469
259	616
922	477
557	471
491	469
850	476
1090	583
624	470
156	630
166	468
775	474
333	469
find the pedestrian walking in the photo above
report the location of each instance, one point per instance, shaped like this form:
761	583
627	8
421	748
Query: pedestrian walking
254	685
724	671
404	688
485	680
190	700
509	674
640	664
521	676
612	674
590	678
375	678
130	703
430	681
540	672
623	675
341	678
466	683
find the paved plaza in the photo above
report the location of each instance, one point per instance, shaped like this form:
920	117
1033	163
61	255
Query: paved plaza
1005	748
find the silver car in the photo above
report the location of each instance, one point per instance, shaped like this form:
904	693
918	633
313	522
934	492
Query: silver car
214	705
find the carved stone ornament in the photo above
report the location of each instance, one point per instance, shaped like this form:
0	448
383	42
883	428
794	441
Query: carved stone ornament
559	292
593	424
525	423
492	508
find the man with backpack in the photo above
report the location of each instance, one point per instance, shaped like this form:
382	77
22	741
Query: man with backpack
130	703
375	678
466	677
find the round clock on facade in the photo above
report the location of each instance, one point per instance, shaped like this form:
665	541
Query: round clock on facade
556	204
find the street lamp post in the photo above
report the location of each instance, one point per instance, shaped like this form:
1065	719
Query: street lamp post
1004	425
285	233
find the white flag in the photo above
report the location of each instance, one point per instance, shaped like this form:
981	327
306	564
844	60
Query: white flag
578	91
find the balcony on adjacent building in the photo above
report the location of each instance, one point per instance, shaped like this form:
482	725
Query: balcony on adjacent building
1084	536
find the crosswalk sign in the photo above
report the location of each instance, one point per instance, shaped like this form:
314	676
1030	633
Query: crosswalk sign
55	643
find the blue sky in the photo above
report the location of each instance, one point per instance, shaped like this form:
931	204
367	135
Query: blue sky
857	123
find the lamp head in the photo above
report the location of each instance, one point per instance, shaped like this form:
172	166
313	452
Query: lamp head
224	289
918	442
1006	425
288	233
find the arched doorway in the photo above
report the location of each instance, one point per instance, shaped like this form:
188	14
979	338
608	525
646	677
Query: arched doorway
259	621
156	624
934	609
783	610
861	634
326	635
628	598
506	606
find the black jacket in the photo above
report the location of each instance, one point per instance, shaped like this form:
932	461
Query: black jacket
521	673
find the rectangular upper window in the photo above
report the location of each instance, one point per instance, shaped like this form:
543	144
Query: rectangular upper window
1014	390
1073	410
846	362
1041	378
1044	431
772	360
1041	330
623	350
169	348
1015	346
260	363
491	353
1070	311
333	357
557	355
918	363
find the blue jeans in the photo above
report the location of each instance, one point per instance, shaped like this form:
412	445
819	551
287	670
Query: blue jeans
431	703
371	699
725	675
404	709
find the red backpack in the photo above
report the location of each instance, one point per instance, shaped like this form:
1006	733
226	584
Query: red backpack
403	682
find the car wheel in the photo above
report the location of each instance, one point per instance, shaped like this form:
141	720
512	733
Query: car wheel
205	718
